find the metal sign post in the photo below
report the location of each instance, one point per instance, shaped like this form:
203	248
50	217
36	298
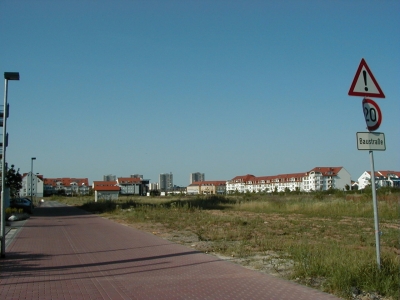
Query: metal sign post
376	216
373	141
364	84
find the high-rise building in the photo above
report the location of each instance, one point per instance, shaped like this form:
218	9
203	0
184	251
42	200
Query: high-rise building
194	177
166	182
109	177
137	176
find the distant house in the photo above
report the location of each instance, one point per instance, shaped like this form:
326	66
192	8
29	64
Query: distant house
241	184
354	185
317	179
325	178
133	185
66	186
382	179
154	186
105	190
32	185
364	180
211	187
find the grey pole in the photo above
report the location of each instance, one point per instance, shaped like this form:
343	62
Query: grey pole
32	159
376	217
7	76
3	172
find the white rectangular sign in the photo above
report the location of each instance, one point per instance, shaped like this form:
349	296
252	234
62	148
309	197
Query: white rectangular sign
371	141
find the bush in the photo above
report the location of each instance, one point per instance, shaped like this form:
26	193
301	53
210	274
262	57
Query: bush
10	211
100	206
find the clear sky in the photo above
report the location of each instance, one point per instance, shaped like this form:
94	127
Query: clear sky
224	88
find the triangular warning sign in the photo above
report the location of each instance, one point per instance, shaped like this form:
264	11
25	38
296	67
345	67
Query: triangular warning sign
364	83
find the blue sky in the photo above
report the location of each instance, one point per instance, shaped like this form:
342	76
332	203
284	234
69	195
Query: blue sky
225	88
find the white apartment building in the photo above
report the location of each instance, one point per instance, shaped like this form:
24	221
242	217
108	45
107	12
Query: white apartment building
32	185
154	186
66	185
364	180
317	179
382	179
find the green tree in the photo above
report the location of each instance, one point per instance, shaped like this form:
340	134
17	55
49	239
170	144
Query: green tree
155	193
14	181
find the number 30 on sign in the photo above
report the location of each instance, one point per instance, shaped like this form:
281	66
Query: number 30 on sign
372	114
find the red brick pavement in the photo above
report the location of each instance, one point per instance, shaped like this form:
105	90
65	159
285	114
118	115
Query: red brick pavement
65	253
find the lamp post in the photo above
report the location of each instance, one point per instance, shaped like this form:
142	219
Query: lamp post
32	159
7	76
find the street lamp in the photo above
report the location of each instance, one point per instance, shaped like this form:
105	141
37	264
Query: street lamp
7	76
32	159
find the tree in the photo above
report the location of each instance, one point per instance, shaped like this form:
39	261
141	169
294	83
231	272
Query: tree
14	181
155	193
275	192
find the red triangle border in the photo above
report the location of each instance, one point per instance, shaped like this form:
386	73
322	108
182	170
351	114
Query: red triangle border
363	63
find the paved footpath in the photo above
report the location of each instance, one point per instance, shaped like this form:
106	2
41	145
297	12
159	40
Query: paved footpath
63	252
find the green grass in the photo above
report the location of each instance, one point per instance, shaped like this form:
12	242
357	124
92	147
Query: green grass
328	237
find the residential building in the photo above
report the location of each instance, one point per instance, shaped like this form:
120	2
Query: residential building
166	182
66	186
277	183
133	185
196	177
325	178
154	186
317	179
354	185
382	179
364	180
32	185
105	190
212	187
240	184
389	178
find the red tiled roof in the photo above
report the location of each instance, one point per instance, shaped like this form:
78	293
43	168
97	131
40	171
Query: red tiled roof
243	178
281	177
326	170
104	183
209	182
66	181
105	186
129	180
386	174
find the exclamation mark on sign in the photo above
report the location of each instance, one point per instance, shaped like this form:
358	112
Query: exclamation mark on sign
365	80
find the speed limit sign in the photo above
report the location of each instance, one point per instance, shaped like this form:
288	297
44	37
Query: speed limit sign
372	114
